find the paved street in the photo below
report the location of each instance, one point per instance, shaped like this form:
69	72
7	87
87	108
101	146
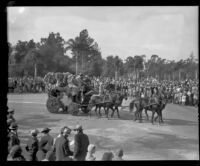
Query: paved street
176	139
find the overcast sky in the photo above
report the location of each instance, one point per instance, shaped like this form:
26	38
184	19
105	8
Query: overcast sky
170	32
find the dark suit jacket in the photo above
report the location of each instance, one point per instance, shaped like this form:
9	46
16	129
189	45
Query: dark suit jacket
13	140
62	148
32	147
49	140
81	142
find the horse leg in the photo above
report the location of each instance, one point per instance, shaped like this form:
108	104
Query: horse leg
135	115
161	117
113	111
146	114
104	107
153	112
140	115
118	113
107	112
155	119
100	110
96	112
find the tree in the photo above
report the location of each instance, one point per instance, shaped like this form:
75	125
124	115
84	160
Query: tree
83	49
52	51
138	65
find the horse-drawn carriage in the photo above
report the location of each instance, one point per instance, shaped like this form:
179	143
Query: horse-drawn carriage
67	93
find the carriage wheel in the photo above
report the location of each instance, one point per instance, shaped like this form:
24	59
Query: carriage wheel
73	108
54	105
85	109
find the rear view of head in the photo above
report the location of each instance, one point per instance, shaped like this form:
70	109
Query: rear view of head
119	153
107	156
65	131
91	149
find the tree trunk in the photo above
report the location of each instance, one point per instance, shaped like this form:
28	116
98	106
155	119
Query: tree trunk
35	73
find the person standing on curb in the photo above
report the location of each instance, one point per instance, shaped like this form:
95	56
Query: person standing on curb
32	145
48	138
13	136
81	142
61	146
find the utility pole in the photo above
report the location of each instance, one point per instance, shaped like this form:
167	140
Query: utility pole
76	64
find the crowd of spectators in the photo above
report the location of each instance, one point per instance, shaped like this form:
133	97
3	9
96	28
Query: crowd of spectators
48	148
184	92
26	84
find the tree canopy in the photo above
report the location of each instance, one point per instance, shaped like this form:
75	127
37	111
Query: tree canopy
50	55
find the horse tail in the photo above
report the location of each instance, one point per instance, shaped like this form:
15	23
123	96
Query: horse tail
131	106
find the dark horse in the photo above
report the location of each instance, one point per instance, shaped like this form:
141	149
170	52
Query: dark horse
153	104
162	99
99	101
117	100
111	101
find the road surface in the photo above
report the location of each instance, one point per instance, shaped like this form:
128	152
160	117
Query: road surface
176	139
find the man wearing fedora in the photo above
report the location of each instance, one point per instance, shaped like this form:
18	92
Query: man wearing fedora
47	138
81	142
61	146
32	145
10	114
13	136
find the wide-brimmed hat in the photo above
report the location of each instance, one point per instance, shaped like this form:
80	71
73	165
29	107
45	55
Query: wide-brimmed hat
78	128
13	126
10	110
45	130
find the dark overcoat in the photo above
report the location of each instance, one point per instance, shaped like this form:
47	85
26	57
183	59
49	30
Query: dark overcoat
81	142
61	148
13	140
32	148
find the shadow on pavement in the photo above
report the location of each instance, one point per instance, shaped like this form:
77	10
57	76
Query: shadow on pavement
36	121
167	141
180	122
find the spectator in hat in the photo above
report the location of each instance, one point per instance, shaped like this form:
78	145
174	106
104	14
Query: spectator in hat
81	142
49	156
107	156
13	136
10	115
61	146
47	138
16	153
32	145
90	154
119	154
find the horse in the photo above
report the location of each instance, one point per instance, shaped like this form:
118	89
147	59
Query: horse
139	104
99	101
152	104
116	101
